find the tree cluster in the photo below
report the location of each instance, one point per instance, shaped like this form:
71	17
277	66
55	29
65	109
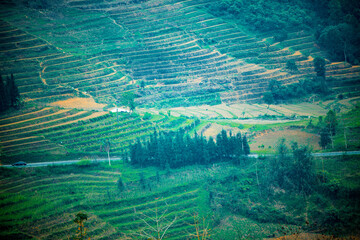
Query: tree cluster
9	94
279	92
266	15
292	169
339	31
177	149
41	4
336	21
128	99
328	129
291	65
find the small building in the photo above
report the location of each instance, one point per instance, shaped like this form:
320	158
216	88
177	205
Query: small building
114	110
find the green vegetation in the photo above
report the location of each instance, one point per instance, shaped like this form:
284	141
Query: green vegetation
128	99
175	149
80	219
337	22
183	57
9	93
280	93
179	172
52	133
266	193
278	16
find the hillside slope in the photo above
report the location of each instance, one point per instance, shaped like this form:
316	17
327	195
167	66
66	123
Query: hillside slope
181	54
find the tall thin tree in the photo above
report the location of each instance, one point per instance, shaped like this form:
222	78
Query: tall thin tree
3	95
14	91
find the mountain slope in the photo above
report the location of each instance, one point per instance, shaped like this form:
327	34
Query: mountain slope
183	54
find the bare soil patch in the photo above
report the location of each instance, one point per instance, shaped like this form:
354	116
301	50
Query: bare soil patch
80	103
270	139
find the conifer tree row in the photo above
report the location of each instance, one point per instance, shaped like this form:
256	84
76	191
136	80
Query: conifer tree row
177	149
9	93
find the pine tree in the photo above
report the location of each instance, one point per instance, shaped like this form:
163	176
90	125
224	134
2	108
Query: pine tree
221	145
9	93
238	145
331	122
133	154
225	144
246	147
211	146
179	148
142	181
120	184
157	177
140	153
175	149
161	152
14	92
153	148
3	98
238	151
319	66
324	138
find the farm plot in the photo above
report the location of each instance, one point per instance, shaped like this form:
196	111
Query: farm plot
160	44
25	64
171	55
77	131
301	109
59	68
80	103
20	135
268	139
113	213
248	111
86	137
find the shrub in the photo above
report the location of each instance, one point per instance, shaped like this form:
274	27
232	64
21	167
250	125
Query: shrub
84	162
280	36
147	116
291	65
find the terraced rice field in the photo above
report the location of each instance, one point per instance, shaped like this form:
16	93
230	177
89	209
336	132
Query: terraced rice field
183	54
32	202
250	111
55	131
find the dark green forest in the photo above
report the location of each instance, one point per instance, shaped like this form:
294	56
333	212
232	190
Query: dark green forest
177	149
9	94
335	23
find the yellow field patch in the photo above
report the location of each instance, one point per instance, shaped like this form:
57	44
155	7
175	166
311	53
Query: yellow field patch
269	138
80	103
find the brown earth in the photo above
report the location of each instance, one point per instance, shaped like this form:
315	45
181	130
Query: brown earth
80	103
270	138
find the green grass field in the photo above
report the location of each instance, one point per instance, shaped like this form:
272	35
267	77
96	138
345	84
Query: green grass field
30	200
